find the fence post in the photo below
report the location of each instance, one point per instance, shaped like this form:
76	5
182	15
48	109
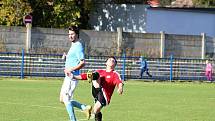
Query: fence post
28	37
119	39
22	64
203	45
162	45
171	63
123	66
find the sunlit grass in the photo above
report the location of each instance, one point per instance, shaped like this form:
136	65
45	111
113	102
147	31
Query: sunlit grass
38	100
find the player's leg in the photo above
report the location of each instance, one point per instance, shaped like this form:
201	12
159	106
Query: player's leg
97	111
69	107
70	110
78	105
99	105
72	103
100	102
141	73
147	72
67	90
85	108
98	117
64	88
210	76
207	74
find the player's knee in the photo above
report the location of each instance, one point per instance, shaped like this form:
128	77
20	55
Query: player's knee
96	75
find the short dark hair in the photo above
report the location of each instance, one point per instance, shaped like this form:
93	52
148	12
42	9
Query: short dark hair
113	58
75	29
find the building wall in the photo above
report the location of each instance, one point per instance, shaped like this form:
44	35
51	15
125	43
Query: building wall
12	38
183	46
51	40
180	22
141	19
55	41
146	44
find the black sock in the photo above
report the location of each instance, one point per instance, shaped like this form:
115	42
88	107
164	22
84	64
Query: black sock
98	116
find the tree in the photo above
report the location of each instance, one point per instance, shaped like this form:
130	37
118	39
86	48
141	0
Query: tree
165	2
55	13
46	13
85	7
204	3
42	13
13	11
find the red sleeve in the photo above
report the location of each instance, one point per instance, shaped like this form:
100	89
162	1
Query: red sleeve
83	76
118	79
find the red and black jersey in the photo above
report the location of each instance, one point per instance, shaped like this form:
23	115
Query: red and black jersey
108	81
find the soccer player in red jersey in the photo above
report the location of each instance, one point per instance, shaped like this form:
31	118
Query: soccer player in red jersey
103	85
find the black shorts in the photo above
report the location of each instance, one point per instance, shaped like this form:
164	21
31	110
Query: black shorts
98	95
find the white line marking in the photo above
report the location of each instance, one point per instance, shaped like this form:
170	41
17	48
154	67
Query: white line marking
41	106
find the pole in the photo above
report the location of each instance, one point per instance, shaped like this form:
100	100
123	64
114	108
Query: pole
22	64
123	66
203	45
171	63
119	40
28	37
162	45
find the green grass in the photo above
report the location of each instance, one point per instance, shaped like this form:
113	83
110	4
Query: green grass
38	100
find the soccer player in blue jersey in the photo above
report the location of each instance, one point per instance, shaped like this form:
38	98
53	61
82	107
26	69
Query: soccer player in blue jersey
74	62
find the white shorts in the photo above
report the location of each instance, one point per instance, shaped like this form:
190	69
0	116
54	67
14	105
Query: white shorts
67	89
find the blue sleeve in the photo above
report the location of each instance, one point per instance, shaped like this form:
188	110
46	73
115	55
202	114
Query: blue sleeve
80	52
145	64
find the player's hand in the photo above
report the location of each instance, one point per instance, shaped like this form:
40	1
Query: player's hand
120	88
67	72
71	76
120	91
64	56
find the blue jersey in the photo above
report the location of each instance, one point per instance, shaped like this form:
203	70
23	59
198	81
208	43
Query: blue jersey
74	56
143	64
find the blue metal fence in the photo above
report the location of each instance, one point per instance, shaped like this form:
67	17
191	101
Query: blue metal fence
51	65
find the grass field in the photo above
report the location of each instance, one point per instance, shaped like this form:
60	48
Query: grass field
37	100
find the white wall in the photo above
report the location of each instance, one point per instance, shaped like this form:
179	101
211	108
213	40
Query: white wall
180	22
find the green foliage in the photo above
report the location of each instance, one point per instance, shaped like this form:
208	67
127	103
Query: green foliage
121	1
42	13
62	13
56	14
204	3
46	13
165	2
12	12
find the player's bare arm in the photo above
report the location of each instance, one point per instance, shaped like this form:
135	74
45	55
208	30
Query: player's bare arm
64	56
120	88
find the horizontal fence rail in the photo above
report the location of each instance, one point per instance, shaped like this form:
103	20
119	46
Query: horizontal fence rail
52	65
